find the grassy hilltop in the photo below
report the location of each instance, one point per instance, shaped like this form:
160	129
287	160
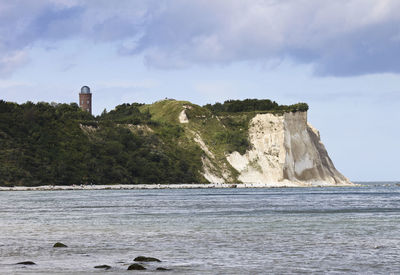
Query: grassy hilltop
59	144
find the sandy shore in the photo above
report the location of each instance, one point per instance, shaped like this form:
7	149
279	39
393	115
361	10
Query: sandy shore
164	186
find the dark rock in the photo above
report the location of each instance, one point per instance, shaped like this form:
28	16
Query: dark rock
103	266
136	267
162	269
26	263
146	259
59	245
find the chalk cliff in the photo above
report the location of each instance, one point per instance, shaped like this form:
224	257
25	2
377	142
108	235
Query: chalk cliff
285	150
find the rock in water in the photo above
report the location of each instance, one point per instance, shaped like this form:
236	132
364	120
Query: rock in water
146	259
59	245
26	263
162	269
136	267
103	266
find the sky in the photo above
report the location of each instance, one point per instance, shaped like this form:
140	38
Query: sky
341	57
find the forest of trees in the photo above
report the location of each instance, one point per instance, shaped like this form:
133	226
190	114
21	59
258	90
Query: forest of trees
254	105
43	144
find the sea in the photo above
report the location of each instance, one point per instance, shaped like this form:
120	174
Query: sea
335	230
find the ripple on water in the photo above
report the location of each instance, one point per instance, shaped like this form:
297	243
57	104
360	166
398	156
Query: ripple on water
207	231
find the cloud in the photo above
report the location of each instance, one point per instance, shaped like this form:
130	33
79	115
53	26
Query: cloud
23	23
339	38
12	61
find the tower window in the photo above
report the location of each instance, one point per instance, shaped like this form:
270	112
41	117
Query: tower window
88	102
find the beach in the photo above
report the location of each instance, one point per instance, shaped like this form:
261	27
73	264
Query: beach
168	186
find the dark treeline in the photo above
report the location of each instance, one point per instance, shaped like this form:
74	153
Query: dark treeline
59	144
254	105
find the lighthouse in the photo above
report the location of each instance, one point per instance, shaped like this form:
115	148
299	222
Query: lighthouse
85	99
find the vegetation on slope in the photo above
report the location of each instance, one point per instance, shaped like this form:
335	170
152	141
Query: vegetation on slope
127	113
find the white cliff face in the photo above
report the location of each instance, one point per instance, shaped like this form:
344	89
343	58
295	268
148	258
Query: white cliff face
182	117
286	151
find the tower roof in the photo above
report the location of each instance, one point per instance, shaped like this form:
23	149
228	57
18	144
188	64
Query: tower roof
85	90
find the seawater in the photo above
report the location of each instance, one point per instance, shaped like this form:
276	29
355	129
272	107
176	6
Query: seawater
204	231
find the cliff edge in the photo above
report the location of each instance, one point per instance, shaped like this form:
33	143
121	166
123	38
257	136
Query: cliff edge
285	150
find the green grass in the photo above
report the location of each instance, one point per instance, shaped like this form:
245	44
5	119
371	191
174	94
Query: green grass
165	110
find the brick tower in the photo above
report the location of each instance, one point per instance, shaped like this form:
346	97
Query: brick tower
85	99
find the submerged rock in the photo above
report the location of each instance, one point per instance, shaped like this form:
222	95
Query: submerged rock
103	266
146	259
26	263
59	245
162	269
136	267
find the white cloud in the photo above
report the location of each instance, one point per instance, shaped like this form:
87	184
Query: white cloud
341	37
338	37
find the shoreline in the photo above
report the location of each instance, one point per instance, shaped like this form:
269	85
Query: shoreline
169	186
